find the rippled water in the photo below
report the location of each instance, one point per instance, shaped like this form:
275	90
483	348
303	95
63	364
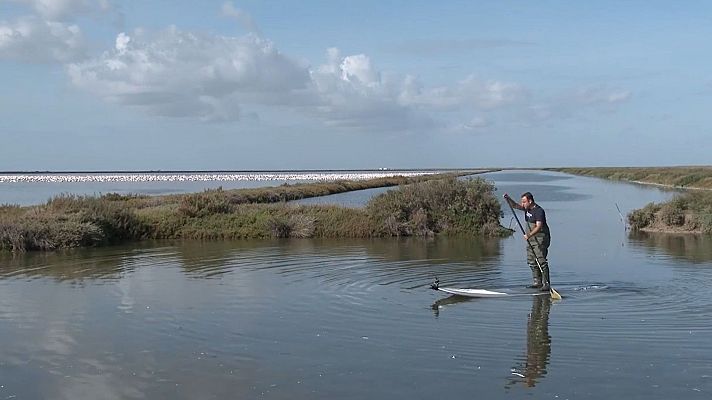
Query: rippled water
305	319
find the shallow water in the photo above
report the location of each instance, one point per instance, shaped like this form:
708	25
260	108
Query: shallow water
354	319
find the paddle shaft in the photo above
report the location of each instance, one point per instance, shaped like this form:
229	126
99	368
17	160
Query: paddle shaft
538	264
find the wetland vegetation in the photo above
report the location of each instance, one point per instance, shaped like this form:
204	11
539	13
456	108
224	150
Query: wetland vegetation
688	212
420	206
688	177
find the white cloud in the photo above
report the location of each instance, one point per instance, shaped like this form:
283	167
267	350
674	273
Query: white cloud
357	69
245	19
354	93
176	73
30	39
575	103
46	35
469	93
62	10
475	123
181	74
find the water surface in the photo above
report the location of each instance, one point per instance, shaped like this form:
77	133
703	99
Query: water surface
354	319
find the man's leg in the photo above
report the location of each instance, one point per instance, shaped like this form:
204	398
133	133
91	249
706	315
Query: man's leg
536	272
541	250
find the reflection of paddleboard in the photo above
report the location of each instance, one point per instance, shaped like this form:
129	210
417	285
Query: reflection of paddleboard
487	293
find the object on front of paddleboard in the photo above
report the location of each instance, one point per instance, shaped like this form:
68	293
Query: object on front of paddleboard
436	284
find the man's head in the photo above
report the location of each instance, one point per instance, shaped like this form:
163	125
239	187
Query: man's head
527	201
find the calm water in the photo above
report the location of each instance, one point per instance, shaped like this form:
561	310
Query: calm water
354	319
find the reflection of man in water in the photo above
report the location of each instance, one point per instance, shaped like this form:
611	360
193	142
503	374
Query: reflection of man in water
538	343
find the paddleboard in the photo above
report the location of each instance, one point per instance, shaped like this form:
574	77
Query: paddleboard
490	293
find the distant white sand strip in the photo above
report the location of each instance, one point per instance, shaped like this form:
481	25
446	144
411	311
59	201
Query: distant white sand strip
71	178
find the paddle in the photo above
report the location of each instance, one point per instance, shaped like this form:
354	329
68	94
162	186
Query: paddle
554	294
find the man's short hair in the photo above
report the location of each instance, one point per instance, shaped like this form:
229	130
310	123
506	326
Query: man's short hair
529	196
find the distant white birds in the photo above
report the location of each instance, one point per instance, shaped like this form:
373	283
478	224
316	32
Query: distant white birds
198	177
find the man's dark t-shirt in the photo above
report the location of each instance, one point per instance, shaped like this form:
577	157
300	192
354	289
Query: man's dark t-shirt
537	214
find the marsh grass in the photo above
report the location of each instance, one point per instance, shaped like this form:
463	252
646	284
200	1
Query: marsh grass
699	177
687	212
421	206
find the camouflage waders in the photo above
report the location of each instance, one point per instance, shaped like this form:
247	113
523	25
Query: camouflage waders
540	243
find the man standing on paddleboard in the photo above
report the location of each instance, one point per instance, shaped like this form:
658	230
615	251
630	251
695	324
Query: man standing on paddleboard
538	236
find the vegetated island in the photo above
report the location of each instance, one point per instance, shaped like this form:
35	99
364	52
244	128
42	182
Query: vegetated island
687	212
421	206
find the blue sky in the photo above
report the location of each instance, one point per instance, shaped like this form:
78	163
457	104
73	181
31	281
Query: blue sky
104	84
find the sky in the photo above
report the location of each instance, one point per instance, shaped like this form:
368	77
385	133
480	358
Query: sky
259	85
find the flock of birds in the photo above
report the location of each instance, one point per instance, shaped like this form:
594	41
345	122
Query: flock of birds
199	177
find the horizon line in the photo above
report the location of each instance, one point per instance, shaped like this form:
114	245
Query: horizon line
231	170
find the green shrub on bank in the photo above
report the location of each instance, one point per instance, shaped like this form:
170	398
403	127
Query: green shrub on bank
296	225
340	222
421	207
116	221
68	221
261	221
641	218
673	212
161	222
690	211
449	206
37	233
704	221
209	202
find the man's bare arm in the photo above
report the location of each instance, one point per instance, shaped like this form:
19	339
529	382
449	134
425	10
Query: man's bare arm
535	230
